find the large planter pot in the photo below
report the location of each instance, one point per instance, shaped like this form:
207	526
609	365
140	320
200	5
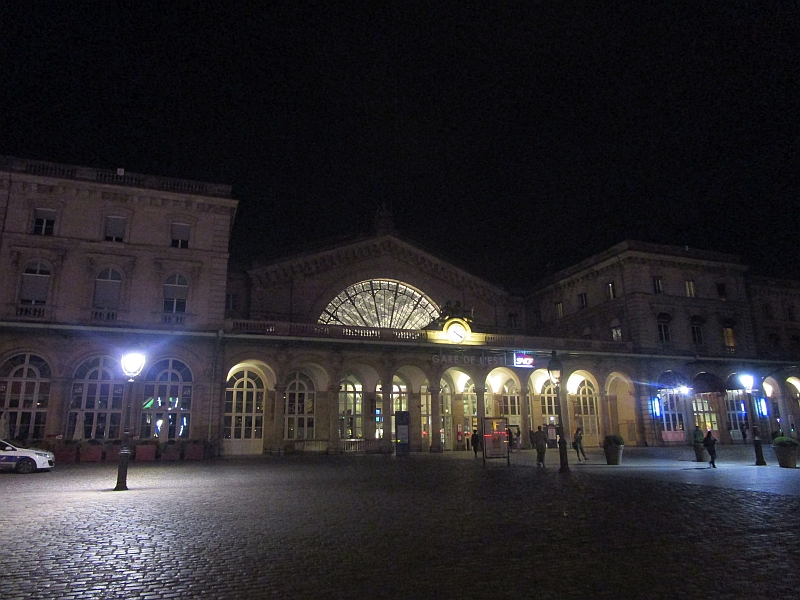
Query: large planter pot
787	456
171	453
66	454
613	454
699	453
145	452
91	454
112	452
194	452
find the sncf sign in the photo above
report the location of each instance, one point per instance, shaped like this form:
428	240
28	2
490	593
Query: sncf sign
523	360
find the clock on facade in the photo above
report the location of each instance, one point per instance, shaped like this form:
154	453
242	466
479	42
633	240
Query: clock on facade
456	332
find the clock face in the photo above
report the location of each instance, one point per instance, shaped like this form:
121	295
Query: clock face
456	333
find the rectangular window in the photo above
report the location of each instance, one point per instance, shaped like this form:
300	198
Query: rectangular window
729	339
721	291
537	317
231	300
114	230
658	286
697	335
616	334
611	291
180	235
663	332
559	309
583	301
689	288
44	222
512	320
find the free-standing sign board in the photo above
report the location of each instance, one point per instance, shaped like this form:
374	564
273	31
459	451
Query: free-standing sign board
402	442
495	439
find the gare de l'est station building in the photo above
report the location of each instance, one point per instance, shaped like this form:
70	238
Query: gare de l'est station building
318	351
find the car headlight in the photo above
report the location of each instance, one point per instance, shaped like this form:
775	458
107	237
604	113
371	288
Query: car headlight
43	454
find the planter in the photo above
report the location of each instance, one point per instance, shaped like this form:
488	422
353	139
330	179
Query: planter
171	453
194	452
145	452
112	452
66	454
613	454
787	456
700	453
91	454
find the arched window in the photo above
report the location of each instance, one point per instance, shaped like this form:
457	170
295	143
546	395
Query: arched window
299	408
351	418
167	402
95	410
549	404
510	403
24	394
35	283
663	320
244	406
176	291
107	288
587	412
381	303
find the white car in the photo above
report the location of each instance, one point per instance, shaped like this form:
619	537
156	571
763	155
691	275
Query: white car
24	460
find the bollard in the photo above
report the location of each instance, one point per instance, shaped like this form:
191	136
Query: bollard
122	469
760	462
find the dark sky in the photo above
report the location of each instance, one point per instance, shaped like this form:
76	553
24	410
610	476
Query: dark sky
507	139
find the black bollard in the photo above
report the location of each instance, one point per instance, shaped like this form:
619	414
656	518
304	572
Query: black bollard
562	453
122	469
760	462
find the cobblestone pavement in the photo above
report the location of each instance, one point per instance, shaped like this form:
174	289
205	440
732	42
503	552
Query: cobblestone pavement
392	527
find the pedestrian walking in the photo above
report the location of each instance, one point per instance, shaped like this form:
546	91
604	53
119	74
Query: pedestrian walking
744	434
577	443
710	443
476	442
539	440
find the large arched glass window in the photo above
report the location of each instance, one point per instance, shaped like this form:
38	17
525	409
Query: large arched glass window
381	303
298	413
587	413
35	283
167	402
24	393
549	403
96	403
351	394
510	403
244	406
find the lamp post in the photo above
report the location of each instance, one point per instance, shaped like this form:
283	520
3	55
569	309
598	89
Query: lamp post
747	382
554	370
132	364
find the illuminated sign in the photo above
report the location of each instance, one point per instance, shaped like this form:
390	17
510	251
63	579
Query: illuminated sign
656	407
523	360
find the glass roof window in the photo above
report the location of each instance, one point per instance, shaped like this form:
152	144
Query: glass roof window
381	303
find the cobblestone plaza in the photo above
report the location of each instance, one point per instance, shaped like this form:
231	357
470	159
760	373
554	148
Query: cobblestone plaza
405	527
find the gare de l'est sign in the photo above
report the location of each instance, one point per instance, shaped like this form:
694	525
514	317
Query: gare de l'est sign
505	359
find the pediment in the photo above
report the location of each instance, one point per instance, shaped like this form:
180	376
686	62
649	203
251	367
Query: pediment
352	255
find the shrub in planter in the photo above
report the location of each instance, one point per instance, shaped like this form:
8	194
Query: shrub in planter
171	451
612	447
146	451
66	451
112	450
91	451
786	451
194	450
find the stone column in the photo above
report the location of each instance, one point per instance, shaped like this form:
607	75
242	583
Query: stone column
333	403
525	441
436	420
479	394
278	411
388	412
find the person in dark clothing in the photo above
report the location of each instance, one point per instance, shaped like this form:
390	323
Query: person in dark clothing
744	434
710	444
577	443
539	440
476	442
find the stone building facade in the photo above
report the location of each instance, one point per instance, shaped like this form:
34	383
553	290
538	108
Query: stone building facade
322	350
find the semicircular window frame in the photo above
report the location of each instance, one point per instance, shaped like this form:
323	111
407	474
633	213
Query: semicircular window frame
386	303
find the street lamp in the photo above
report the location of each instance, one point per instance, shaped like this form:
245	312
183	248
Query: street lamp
747	382
554	370
132	364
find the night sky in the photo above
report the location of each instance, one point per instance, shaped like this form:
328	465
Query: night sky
511	140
